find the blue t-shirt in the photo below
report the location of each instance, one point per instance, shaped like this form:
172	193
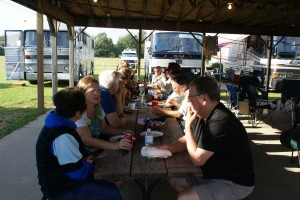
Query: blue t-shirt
107	102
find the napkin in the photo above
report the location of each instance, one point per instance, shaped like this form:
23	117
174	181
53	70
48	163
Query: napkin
153	152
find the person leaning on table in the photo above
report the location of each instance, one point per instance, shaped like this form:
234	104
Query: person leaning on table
218	143
111	98
90	127
64	166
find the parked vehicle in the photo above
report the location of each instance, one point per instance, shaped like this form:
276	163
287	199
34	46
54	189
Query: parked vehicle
184	48
21	55
286	61
130	55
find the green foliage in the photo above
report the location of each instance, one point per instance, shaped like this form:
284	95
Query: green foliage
104	46
216	65
1	45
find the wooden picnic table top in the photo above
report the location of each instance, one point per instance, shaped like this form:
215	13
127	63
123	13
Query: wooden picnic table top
121	164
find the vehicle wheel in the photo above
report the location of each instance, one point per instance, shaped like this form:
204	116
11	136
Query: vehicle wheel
92	69
33	82
80	73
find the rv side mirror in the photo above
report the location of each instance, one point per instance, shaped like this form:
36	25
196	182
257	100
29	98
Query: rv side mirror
80	44
150	51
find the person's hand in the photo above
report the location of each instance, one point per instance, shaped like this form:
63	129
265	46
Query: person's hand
190	116
125	144
90	159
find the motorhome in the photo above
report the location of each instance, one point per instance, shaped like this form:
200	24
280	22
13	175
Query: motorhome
21	55
285	62
130	55
184	48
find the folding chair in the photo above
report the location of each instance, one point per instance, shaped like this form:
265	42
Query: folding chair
291	139
257	104
233	98
260	106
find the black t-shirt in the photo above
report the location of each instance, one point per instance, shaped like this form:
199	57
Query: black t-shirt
226	136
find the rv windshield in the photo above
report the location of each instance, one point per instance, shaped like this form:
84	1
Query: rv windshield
287	48
176	42
129	54
31	39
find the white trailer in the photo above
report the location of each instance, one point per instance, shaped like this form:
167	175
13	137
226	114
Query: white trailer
285	62
21	55
184	48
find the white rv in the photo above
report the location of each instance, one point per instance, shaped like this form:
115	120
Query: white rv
184	48
130	55
21	55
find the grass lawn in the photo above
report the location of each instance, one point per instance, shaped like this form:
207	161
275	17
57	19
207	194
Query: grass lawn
18	105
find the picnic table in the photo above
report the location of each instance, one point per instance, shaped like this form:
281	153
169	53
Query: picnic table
121	164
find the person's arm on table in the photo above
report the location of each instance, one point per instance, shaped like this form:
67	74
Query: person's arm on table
173	113
89	141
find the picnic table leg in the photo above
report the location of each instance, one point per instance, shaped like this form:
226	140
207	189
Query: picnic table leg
147	187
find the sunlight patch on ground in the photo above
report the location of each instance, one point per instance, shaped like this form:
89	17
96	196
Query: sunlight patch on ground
292	169
283	153
266	141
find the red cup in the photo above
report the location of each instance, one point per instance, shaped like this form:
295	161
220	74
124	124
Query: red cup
155	103
128	137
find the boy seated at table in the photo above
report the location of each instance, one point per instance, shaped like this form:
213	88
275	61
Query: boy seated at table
180	84
181	112
65	169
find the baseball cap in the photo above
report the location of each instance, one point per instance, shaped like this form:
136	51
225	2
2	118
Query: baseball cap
172	66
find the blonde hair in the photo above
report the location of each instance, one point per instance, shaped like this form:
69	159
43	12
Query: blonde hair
86	82
122	64
108	78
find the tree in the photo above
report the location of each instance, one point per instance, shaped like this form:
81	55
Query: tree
129	42
1	48
104	46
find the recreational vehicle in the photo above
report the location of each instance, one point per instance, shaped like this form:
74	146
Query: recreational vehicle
21	55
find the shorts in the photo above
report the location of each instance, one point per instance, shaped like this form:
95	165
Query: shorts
218	189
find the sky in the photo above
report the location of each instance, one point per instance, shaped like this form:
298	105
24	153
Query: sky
13	16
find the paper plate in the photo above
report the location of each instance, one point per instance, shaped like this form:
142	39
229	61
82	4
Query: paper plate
160	104
116	138
155	133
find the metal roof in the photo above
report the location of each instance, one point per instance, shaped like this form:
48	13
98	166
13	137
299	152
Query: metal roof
257	17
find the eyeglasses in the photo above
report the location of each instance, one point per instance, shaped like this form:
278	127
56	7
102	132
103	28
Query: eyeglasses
91	90
195	95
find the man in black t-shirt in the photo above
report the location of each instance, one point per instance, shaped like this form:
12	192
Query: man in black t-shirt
217	142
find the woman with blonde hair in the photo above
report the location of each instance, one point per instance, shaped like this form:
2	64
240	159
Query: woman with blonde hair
90	126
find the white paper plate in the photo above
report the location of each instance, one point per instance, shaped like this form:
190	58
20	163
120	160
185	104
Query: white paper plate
160	104
155	133
116	138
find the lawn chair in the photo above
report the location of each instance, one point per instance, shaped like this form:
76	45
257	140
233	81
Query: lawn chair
233	100
260	107
291	139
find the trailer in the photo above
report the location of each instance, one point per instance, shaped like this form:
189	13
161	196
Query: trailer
184	48
20	49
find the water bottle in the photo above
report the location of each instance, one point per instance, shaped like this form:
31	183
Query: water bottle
149	138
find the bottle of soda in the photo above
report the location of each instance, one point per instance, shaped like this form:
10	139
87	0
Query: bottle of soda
146	124
149	138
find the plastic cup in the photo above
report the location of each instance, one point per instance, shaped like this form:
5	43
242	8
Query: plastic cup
154	103
131	106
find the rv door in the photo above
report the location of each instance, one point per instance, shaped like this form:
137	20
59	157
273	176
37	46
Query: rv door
14	54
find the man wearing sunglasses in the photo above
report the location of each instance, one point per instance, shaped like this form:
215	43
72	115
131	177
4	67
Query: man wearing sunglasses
218	143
